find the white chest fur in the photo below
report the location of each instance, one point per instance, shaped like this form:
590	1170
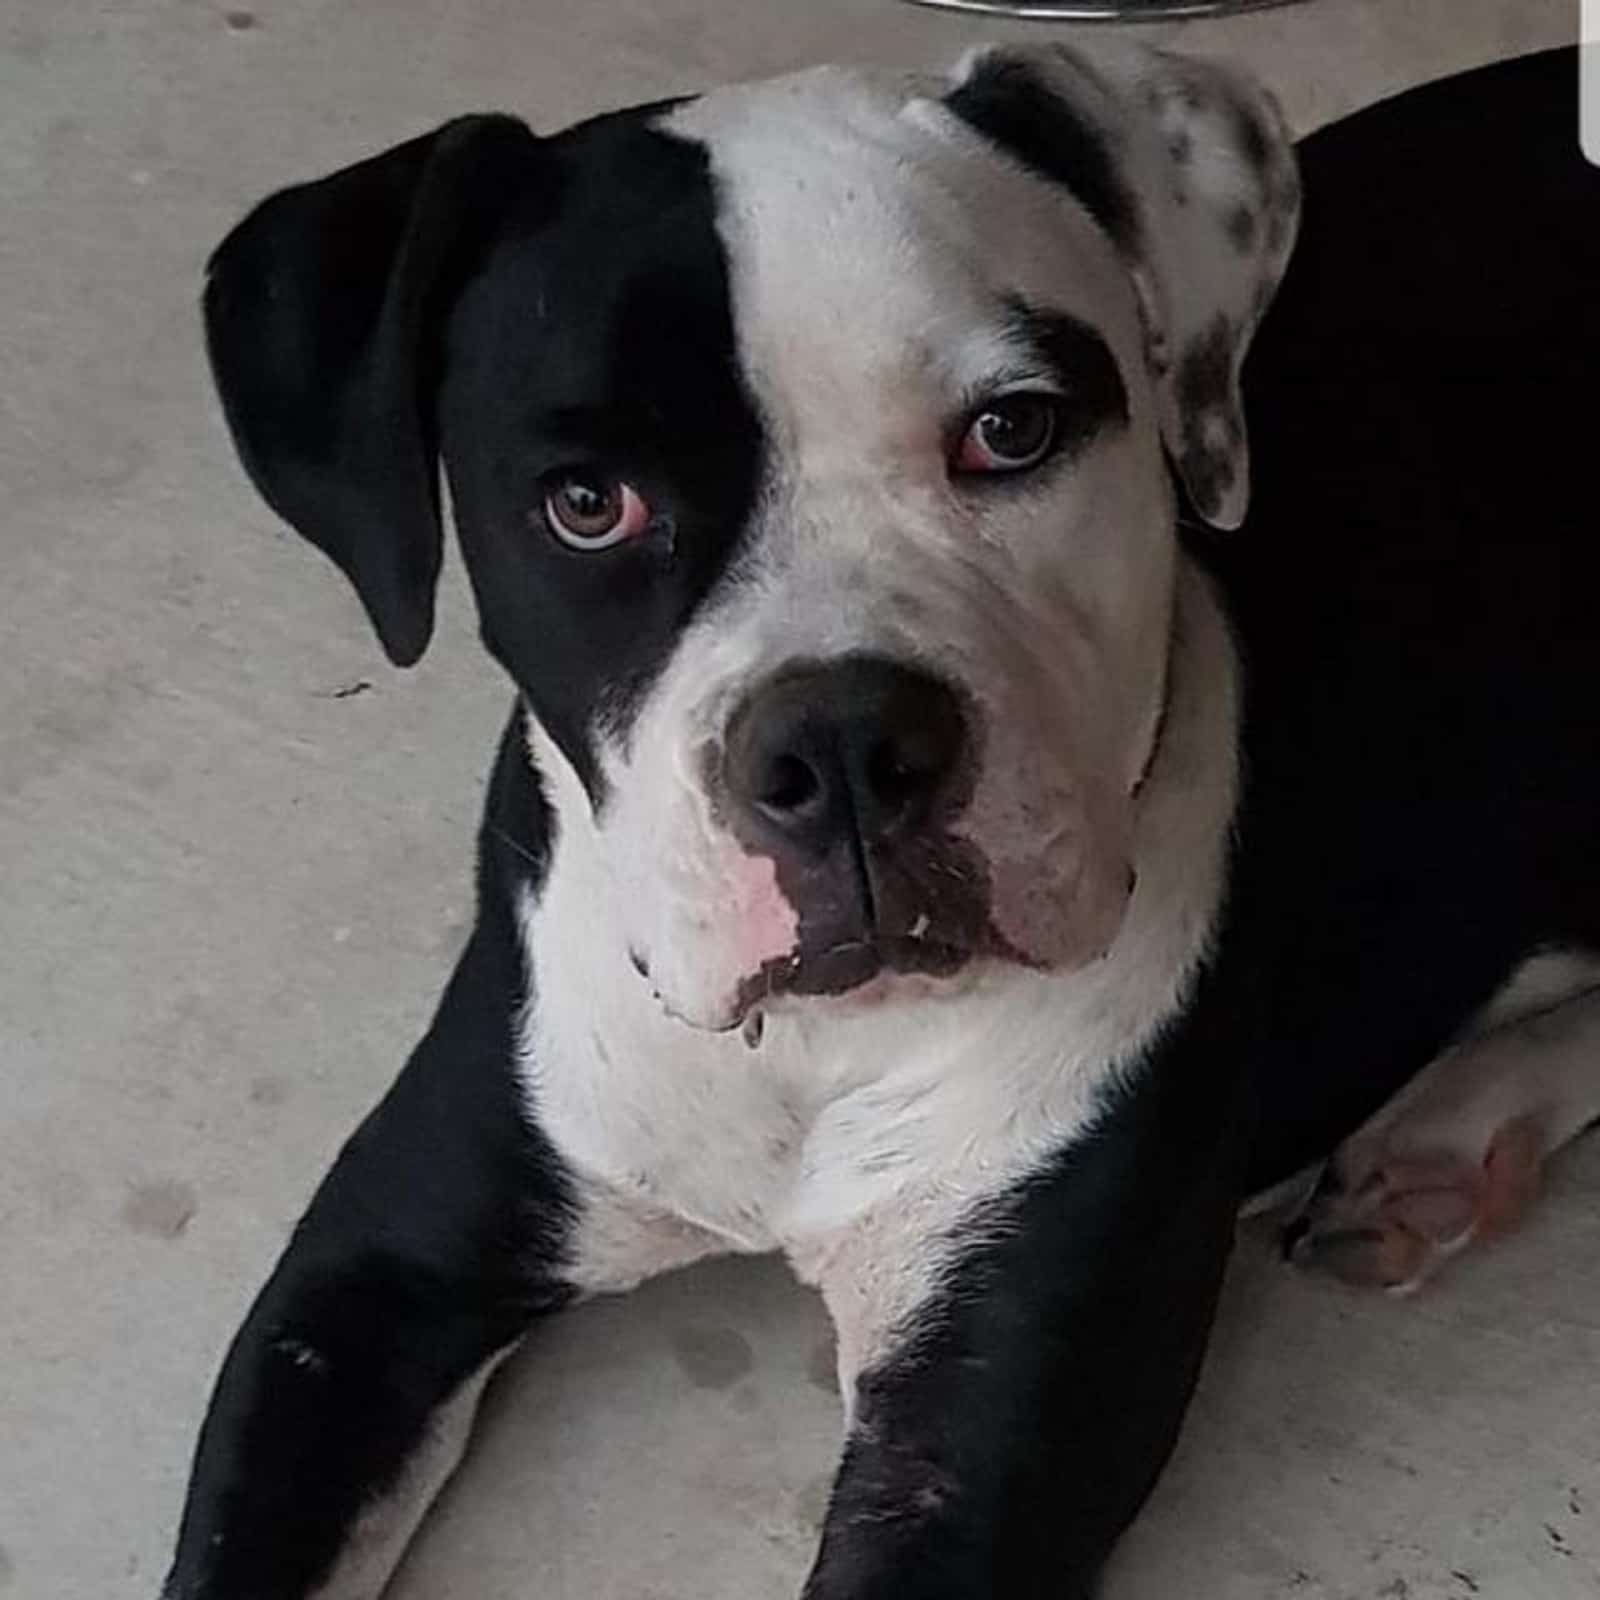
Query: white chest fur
954	1092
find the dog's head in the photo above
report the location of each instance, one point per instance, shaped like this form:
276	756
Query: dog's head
805	444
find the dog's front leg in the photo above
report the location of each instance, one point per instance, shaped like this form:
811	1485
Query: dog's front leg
348	1393
1007	1428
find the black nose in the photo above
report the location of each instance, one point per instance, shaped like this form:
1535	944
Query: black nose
858	747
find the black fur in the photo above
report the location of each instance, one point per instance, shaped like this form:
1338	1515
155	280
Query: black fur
598	333
1005	101
322	310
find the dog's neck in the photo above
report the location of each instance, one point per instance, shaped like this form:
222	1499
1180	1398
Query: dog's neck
994	1069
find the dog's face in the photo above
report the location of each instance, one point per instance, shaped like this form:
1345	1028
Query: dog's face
806	445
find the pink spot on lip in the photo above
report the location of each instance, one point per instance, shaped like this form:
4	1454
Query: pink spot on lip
765	924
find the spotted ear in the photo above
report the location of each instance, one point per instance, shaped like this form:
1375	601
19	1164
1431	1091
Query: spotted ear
1188	168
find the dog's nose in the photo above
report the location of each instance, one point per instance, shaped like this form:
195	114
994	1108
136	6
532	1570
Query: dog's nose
859	746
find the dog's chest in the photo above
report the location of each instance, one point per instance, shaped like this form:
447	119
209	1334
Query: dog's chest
686	1143
760	1143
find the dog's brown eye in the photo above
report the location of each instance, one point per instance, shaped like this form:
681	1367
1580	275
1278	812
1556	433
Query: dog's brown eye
590	512
1010	433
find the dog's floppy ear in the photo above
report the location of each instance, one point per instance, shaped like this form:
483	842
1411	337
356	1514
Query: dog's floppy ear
1189	170
323	311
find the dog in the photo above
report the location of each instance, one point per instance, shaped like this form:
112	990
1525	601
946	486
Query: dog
927	841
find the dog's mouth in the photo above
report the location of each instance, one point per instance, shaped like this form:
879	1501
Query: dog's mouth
869	932
850	965
917	908
867	966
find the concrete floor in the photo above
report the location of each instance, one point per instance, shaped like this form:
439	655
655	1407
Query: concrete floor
232	886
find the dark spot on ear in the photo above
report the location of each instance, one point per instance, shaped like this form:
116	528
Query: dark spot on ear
1180	147
1251	138
1241	226
1207	475
1205	373
1205	381
1005	101
1283	202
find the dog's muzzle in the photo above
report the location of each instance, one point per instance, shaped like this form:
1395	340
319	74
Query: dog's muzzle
846	774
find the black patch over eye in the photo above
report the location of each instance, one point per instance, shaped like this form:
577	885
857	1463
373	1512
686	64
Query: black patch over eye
1010	433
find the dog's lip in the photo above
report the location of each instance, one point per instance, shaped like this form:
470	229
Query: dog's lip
846	965
836	970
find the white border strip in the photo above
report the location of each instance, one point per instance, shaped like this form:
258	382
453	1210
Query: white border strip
1589	81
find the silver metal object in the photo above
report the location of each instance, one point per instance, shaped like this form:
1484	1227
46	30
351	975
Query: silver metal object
1103	10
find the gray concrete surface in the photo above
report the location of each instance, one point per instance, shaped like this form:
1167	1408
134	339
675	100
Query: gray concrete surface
230	888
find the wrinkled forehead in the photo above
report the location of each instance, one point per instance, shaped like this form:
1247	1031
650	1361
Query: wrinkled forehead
868	229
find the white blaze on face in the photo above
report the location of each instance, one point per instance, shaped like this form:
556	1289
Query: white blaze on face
877	251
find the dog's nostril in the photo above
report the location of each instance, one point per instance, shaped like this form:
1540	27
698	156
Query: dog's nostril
791	784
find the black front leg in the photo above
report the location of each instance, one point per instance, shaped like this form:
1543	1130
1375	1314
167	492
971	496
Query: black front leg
1023	1417
431	1245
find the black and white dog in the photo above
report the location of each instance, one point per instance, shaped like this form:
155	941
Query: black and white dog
920	846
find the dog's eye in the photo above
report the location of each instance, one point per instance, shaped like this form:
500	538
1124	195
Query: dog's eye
589	512
1010	433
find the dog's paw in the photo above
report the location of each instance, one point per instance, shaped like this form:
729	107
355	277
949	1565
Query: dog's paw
1390	1218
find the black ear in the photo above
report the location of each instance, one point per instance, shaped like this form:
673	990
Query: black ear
323	310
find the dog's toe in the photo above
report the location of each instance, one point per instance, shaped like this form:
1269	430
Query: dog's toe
1394	1225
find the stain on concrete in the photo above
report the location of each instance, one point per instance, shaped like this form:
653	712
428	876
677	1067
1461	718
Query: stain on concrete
811	1504
240	21
7	1567
712	1358
269	1091
822	1368
161	1208
149	777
